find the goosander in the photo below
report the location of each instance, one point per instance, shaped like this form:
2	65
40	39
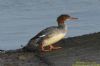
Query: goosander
51	35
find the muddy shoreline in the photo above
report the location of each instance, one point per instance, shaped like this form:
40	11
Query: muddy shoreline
84	48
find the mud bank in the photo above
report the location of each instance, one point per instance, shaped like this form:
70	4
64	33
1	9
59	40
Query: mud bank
75	50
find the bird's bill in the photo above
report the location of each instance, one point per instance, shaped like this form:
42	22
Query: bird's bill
73	18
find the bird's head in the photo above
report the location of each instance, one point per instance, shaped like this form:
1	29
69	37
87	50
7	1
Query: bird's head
64	17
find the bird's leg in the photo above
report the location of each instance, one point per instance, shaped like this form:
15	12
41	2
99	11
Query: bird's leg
43	49
52	47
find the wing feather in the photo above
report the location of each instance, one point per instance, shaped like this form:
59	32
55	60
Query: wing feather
45	32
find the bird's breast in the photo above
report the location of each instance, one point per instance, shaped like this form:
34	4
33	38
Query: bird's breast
55	38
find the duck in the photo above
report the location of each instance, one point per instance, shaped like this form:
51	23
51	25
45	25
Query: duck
51	35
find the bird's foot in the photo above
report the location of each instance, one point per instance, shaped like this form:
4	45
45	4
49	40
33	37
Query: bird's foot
54	48
45	50
50	49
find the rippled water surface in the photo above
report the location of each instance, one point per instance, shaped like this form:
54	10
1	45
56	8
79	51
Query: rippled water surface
20	20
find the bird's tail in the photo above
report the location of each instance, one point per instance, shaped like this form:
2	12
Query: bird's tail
32	45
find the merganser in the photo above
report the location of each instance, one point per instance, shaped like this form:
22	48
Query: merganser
51	35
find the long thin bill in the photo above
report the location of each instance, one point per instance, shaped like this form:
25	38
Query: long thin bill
73	18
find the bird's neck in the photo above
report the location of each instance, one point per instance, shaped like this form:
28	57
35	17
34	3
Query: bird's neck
61	25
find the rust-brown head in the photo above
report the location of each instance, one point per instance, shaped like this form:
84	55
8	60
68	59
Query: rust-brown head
64	17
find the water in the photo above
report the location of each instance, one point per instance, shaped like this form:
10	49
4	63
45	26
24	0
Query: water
20	20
